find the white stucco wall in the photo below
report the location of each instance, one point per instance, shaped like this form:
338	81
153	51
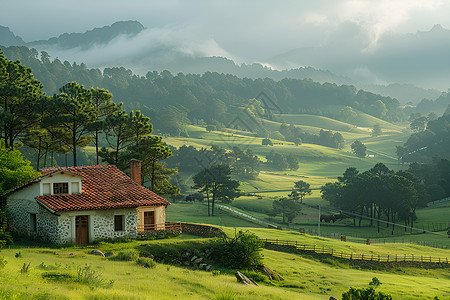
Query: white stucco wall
60	178
20	205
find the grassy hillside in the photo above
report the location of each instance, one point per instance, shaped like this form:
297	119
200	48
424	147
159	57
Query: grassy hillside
304	277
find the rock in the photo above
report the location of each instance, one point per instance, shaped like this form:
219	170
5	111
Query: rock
108	254
97	252
209	268
198	260
244	279
202	266
272	274
194	258
187	263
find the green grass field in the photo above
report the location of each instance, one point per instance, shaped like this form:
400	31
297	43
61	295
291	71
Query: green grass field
304	277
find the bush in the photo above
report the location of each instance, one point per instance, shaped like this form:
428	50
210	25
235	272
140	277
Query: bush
146	262
87	275
256	276
365	294
266	142
243	251
25	268
5	239
375	281
125	256
3	262
57	276
18	254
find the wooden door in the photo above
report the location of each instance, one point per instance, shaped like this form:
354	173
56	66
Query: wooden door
149	220
81	230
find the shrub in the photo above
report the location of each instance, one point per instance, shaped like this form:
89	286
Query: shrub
256	276
86	275
25	268
375	281
124	256
146	262
243	251
18	254
57	276
3	262
266	142
216	273
5	239
227	294
365	294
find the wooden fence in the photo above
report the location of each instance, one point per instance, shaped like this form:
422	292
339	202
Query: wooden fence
356	256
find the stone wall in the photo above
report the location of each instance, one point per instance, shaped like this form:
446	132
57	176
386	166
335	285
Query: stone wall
202	230
101	224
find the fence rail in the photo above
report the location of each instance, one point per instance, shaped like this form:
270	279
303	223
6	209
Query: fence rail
438	201
359	256
160	226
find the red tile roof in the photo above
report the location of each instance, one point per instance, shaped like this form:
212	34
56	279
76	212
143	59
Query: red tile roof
103	187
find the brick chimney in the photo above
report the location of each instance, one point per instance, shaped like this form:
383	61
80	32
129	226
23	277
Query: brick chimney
135	171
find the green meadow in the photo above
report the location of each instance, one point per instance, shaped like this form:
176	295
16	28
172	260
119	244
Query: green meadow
305	277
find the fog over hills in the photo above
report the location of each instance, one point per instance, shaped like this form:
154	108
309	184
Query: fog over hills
391	67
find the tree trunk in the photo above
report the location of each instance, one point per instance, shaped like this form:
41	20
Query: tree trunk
378	219
74	145
360	217
96	144
153	174
371	214
207	197
393	223
213	200
387	216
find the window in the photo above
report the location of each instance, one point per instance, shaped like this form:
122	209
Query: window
118	222
61	188
33	222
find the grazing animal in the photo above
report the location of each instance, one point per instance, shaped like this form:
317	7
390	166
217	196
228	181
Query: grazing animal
327	218
339	217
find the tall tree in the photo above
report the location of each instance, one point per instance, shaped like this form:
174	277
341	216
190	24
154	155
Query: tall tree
216	180
102	107
288	208
152	151
302	188
118	135
20	93
359	149
69	116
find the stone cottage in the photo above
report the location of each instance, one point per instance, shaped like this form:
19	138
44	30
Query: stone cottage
79	205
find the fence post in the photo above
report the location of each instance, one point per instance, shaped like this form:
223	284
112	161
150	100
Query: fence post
362	256
388	258
371	258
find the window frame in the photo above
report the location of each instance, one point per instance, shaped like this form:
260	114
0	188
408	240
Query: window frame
58	186
117	223
33	222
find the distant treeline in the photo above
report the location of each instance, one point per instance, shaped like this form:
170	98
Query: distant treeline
211	98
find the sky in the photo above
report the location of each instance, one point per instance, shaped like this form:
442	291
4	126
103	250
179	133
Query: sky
242	30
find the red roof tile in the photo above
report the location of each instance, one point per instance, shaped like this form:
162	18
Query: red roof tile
103	187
